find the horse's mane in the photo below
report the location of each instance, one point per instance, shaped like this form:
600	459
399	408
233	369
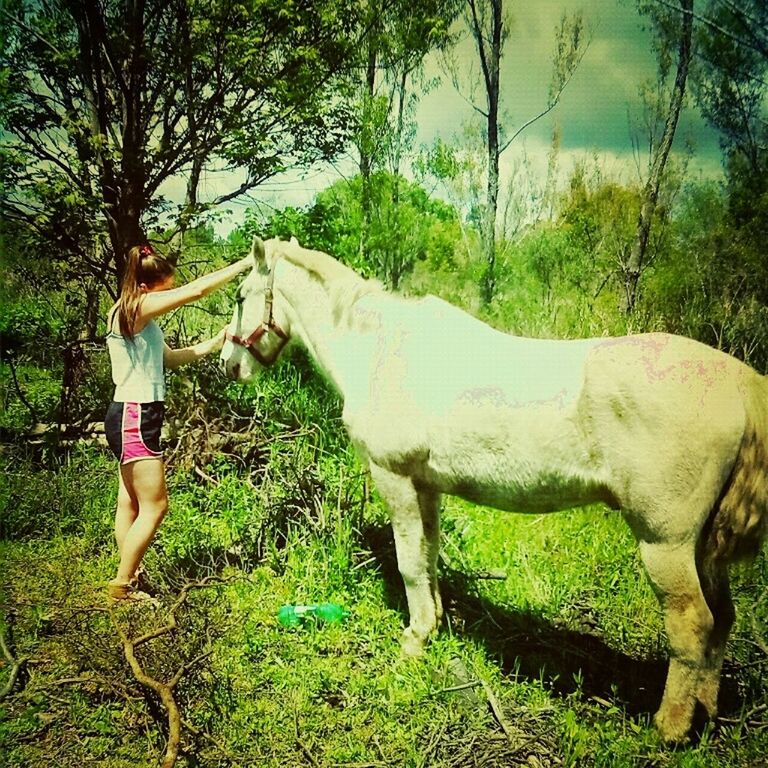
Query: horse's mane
345	287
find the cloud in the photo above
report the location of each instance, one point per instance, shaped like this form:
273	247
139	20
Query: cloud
595	109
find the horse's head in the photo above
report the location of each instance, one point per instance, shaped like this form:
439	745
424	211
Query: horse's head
258	330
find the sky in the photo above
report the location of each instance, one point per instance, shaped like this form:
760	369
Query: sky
593	114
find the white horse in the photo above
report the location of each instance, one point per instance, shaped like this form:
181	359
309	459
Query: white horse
667	430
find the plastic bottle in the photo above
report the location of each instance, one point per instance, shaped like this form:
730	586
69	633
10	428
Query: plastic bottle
294	615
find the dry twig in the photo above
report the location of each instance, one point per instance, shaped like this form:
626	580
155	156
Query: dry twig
164	690
17	665
496	709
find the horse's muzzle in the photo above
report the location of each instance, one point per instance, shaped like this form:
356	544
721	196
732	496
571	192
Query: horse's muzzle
234	370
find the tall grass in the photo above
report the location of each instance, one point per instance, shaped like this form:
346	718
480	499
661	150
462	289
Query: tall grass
558	660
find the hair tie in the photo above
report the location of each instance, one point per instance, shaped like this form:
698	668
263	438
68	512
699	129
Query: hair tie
145	250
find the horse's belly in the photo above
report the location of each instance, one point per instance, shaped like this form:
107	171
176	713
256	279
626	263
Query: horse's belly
520	488
526	460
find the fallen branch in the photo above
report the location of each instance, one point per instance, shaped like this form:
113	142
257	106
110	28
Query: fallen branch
164	690
460	687
496	573
304	748
496	709
17	665
746	718
208	479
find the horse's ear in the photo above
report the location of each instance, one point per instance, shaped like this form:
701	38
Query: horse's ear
257	249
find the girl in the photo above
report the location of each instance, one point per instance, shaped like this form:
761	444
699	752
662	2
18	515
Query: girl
139	354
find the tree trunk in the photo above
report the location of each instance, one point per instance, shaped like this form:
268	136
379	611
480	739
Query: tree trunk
650	197
398	251
489	50
193	183
366	143
492	198
122	188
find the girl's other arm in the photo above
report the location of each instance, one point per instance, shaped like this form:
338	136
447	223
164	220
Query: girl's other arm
173	358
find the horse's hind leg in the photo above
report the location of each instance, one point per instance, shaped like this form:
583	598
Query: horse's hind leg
717	591
416	525
689	624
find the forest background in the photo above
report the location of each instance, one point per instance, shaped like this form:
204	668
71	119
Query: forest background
114	116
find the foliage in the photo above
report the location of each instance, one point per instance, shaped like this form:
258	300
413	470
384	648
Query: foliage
731	78
400	35
489	26
400	234
30	395
69	497
710	284
132	95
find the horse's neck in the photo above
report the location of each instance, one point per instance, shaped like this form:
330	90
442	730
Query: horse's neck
340	348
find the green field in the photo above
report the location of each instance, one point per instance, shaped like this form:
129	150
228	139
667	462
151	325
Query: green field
552	652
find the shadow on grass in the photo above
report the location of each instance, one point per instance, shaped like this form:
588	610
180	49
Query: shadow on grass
528	647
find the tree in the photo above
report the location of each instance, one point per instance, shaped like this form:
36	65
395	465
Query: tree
423	227
400	35
682	22
731	87
103	103
489	29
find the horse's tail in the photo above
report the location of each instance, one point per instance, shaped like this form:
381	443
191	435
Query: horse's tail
740	518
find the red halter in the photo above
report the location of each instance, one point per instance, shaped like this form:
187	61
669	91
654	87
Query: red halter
267	324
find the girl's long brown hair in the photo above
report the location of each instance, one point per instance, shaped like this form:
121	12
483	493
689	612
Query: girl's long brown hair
146	266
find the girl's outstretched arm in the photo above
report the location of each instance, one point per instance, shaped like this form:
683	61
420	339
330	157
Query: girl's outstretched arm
157	303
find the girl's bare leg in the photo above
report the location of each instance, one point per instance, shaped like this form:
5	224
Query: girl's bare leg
145	481
126	513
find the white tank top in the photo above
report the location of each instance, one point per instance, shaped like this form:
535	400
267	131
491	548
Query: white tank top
137	366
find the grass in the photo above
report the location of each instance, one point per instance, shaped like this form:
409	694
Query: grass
568	647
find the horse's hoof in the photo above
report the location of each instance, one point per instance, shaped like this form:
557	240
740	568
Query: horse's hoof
410	645
671	730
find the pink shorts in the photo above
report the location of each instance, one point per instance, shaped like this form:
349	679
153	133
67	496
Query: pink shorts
133	430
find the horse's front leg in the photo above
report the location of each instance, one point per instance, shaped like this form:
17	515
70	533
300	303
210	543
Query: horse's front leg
416	525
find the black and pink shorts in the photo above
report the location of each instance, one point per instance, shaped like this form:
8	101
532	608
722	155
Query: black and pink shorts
133	430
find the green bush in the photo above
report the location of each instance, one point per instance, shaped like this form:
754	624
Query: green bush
73	496
28	325
29	394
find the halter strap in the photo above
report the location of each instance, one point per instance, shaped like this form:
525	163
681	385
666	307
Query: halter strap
267	324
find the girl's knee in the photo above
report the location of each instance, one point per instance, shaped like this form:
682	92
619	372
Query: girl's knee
154	511
127	509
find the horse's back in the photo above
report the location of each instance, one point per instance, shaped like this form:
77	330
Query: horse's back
539	424
449	356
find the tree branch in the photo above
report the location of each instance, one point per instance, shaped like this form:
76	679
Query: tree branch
163	690
17	665
761	49
20	23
